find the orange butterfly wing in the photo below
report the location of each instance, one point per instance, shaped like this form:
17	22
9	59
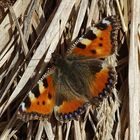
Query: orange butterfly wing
98	42
39	102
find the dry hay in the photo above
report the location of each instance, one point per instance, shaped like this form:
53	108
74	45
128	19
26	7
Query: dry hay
31	31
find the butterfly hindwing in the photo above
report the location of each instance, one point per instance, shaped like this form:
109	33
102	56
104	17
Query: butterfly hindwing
103	82
69	107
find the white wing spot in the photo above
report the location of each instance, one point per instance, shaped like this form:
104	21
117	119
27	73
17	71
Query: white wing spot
23	106
95	30
41	87
106	21
86	41
31	96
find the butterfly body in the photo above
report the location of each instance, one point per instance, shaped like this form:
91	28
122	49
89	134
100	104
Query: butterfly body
79	78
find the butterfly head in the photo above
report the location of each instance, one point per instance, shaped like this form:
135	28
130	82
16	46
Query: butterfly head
58	60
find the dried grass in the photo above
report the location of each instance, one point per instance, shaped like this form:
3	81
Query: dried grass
31	31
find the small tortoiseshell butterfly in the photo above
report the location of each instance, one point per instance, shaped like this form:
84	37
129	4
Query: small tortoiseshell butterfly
78	79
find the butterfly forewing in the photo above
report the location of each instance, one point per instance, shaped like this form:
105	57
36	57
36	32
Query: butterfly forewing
99	41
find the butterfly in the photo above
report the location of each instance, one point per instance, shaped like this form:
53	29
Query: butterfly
78	79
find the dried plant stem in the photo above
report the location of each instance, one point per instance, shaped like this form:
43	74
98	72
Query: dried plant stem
134	83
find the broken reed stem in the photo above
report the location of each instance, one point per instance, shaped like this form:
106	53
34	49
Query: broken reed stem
134	83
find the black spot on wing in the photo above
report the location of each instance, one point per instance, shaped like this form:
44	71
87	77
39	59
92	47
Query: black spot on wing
101	26
101	38
45	83
93	51
90	35
36	91
49	95
100	44
109	18
27	102
43	102
81	46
